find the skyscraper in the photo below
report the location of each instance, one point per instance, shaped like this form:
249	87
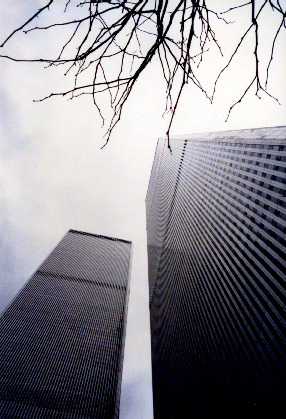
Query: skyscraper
62	337
216	224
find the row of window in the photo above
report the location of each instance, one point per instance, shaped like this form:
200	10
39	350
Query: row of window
232	146
234	192
244	221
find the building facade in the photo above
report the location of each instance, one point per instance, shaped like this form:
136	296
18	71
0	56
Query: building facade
62	337
216	224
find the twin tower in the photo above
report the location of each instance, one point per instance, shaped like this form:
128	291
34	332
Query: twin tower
216	229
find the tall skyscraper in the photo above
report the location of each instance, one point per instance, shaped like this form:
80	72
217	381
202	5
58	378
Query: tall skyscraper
216	224
62	337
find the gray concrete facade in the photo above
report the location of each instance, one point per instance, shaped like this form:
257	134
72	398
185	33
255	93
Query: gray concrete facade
216	226
62	337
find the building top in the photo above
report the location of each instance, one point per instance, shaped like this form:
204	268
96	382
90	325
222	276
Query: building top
99	236
271	138
242	135
89	258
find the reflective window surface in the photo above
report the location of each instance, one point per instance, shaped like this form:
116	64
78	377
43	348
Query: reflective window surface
62	338
217	289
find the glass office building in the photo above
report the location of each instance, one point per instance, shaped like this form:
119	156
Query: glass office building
62	337
216	224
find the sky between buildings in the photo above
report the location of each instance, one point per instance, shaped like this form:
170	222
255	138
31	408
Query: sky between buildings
56	177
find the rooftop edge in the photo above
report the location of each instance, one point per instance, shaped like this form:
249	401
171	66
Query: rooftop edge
99	236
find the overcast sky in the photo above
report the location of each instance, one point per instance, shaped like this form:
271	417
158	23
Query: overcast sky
56	177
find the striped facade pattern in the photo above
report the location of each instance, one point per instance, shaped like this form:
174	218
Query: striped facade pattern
62	337
216	224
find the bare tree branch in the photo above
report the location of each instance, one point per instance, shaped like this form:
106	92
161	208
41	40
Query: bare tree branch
236	7
28	21
114	41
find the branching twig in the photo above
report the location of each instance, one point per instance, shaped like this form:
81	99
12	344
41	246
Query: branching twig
28	21
113	43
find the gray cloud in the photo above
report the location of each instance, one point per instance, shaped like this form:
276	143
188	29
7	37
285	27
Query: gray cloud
56	177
